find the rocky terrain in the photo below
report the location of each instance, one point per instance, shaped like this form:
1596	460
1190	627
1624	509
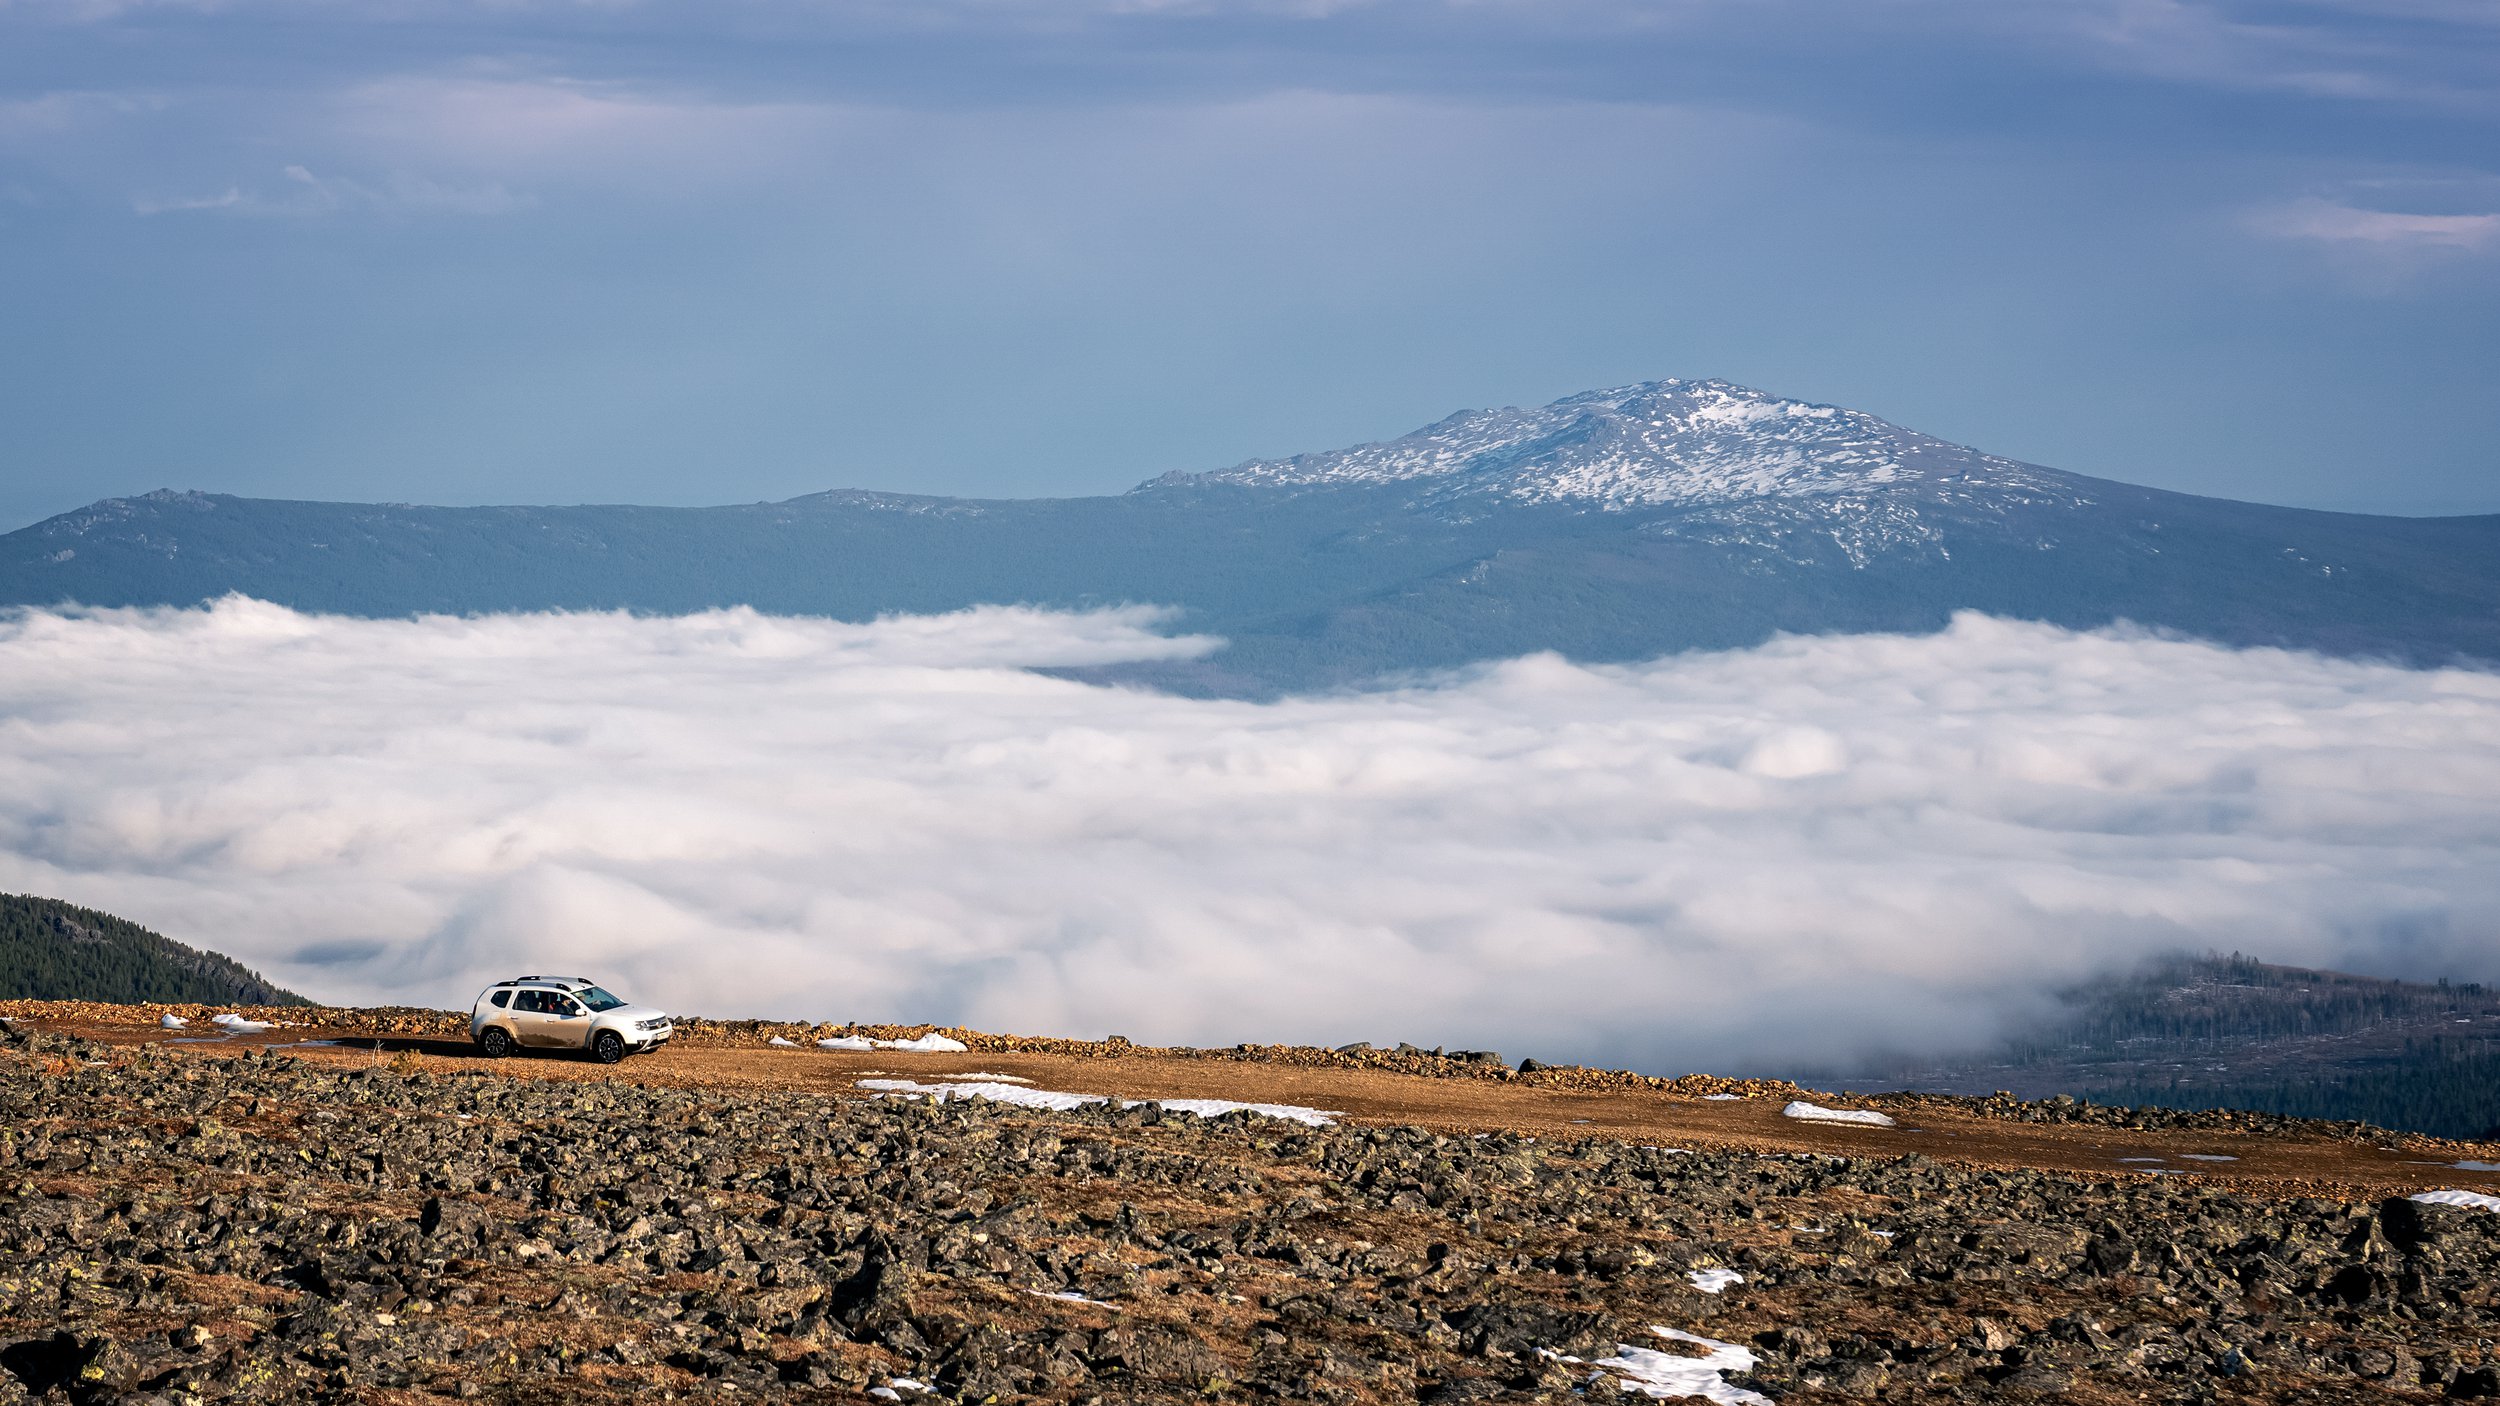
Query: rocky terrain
417	1028
196	1223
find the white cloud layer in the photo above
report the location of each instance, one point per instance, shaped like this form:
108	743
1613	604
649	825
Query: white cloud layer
1724	860
2329	222
301	193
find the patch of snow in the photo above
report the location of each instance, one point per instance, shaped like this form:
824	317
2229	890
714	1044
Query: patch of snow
2143	1159
171	1021
239	1025
985	1075
778	1043
931	1043
1063	1295
2472	1200
907	1384
1817	1113
2206	1157
1713	1281
1018	1095
885	1393
1722	1098
1216	1107
2476	1166
1662	1374
1056	1102
1659	443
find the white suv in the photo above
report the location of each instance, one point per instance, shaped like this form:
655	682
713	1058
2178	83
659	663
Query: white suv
563	1013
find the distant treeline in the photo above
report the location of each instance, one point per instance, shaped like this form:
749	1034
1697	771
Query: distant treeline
55	951
2237	999
2413	1056
2452	1092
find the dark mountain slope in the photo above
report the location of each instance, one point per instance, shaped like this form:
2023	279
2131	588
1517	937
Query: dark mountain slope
1613	526
2234	1032
55	951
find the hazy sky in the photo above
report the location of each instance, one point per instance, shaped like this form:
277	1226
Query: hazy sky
682	252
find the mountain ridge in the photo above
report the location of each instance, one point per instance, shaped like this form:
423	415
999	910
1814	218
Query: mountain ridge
1609	526
1647	444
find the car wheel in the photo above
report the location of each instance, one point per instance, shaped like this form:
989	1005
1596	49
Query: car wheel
608	1048
495	1042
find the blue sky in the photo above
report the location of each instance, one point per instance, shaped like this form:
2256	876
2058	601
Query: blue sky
671	252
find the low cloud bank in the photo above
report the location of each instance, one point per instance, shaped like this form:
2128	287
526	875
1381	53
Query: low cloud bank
1801	851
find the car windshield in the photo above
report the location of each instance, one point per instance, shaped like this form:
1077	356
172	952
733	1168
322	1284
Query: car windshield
597	998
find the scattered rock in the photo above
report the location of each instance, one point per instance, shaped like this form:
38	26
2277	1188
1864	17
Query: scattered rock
177	1227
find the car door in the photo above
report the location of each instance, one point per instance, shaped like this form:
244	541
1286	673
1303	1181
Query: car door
533	1018
568	1024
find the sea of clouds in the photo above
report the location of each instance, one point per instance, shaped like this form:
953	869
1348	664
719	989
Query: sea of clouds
1812	849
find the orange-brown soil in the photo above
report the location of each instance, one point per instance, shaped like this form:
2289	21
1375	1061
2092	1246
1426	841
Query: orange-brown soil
2268	1158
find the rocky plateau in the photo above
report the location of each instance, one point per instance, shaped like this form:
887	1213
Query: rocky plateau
184	1224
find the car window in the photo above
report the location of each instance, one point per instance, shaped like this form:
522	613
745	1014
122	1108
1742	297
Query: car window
503	998
567	1006
597	998
535	1002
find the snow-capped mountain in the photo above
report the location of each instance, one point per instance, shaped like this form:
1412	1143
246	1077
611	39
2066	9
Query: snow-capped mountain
1654	444
1610	525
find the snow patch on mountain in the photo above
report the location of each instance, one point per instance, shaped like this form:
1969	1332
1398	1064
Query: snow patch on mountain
1656	444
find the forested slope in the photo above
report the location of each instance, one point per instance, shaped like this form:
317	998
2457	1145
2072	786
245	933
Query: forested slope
2234	1032
55	951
